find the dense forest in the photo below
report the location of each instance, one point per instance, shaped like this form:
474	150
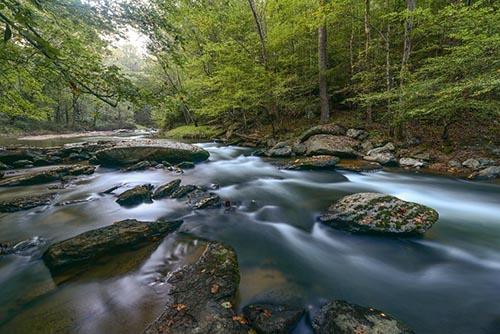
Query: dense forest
398	66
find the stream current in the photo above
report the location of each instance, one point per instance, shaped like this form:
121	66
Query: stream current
447	281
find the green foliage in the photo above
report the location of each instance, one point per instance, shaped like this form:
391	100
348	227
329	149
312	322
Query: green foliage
191	132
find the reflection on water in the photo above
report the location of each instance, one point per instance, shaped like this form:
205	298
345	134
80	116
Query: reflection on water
444	282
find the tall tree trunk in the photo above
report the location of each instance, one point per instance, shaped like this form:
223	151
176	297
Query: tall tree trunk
273	110
367	57
323	67
411	4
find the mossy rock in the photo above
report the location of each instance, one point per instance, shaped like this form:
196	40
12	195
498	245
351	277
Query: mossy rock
379	214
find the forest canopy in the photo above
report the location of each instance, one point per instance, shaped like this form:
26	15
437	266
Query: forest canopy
253	63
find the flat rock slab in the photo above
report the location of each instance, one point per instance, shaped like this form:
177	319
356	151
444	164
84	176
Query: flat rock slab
315	162
120	236
201	296
26	203
166	189
47	176
340	317
324	129
131	152
273	319
379	214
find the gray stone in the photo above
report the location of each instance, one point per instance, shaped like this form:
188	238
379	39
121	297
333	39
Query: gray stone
340	146
282	149
425	156
185	165
367	146
357	134
325	129
454	164
273	319
473	164
411	163
120	236
340	317
382	158
209	202
379	214
183	191
202	295
389	147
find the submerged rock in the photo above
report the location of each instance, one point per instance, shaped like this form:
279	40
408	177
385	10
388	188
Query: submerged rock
314	162
379	214
341	146
120	236
202	295
273	319
130	152
134	196
340	317
185	165
166	189
26	203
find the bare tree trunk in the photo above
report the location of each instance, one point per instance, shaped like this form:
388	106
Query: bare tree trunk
367	57
323	67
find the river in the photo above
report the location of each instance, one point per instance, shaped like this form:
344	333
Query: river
445	282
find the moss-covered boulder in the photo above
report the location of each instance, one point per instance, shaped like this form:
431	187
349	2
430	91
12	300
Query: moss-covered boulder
120	236
340	317
202	296
131	152
341	146
379	214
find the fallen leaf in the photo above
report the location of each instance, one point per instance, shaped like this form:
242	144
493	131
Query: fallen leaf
215	288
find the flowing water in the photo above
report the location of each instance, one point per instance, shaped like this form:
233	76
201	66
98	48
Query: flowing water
445	282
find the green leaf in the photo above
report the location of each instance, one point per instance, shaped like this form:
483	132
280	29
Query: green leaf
7	34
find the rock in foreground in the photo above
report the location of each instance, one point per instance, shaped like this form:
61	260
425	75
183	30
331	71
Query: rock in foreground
340	317
131	152
120	236
202	295
135	196
379	214
47	176
273	319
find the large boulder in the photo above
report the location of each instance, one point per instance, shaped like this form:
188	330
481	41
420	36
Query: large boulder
26	203
131	152
282	149
325	129
384	158
340	317
379	214
341	146
120	236
202	296
273	319
47	176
